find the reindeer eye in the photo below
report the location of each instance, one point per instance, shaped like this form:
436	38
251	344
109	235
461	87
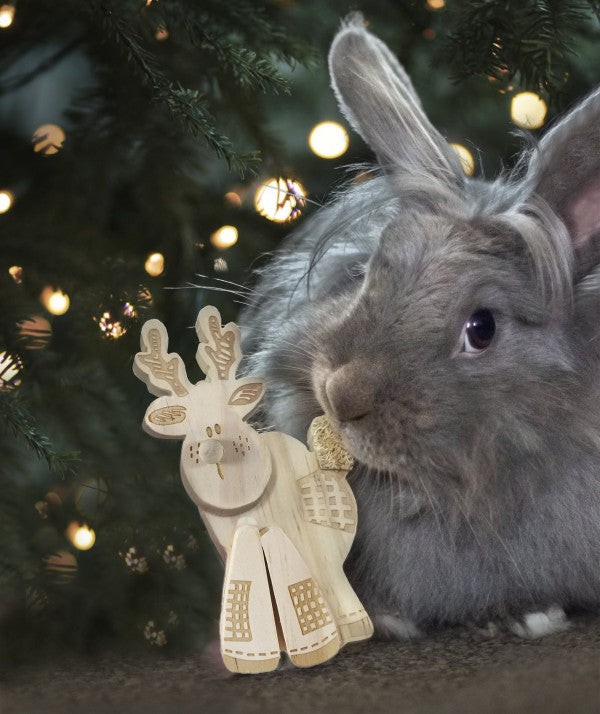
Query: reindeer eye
209	431
479	331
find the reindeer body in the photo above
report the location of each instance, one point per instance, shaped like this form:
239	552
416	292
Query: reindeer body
282	517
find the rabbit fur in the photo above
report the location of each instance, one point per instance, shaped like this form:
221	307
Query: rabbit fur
478	471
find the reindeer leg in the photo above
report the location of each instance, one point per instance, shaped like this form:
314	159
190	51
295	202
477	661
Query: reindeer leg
307	623
249	642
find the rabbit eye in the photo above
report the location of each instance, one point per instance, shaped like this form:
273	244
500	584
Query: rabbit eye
479	331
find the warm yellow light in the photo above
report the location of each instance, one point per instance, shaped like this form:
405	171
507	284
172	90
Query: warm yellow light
16	272
6	201
225	237
48	139
280	199
466	158
82	537
7	15
527	110
436	4
55	301
328	140
155	264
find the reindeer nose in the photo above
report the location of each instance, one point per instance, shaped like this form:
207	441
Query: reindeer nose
211	451
350	392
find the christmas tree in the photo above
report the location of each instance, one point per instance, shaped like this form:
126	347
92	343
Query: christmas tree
152	152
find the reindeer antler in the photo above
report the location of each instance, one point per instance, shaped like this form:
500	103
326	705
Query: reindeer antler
154	364
219	348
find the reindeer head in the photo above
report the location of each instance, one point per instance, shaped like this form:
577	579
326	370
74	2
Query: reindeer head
224	465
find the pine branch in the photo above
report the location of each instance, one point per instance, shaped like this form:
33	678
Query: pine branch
186	105
15	416
515	40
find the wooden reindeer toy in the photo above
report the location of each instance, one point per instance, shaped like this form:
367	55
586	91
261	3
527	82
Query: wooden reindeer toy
282	516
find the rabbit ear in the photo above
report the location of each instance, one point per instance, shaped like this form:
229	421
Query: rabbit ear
378	99
565	172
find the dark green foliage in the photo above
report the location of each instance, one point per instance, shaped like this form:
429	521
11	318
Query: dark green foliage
157	131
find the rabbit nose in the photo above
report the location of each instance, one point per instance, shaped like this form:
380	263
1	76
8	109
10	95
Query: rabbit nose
349	392
211	451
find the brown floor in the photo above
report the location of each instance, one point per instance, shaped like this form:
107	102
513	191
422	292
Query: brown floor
457	672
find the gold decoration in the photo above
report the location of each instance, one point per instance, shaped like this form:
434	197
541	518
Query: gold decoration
48	139
10	369
35	332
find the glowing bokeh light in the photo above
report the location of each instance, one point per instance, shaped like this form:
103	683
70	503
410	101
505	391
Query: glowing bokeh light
436	4
280	199
16	273
155	264
7	15
224	237
55	301
82	537
466	158
527	110
328	140
233	198
6	201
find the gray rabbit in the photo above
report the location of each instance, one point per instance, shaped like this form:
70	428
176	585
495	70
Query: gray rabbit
450	329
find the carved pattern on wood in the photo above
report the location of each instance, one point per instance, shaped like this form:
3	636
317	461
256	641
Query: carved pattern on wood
236	608
311	609
326	502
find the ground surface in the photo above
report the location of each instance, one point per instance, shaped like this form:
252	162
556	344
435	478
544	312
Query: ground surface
457	672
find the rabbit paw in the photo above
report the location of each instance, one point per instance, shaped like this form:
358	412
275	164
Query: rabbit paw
394	627
539	624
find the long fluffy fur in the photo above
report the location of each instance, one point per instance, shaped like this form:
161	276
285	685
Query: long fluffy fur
478	481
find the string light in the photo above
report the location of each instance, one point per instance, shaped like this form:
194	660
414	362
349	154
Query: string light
224	237
48	139
16	272
220	265
10	369
7	15
436	4
82	537
466	158
6	201
55	301
155	264
280	199
527	110
328	140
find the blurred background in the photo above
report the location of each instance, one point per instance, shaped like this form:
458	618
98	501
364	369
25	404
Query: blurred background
152	154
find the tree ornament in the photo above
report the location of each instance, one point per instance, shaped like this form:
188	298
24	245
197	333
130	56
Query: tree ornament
34	332
280	199
10	371
135	562
155	637
48	139
117	314
281	515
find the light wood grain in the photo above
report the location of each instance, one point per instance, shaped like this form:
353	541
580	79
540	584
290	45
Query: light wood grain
261	496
